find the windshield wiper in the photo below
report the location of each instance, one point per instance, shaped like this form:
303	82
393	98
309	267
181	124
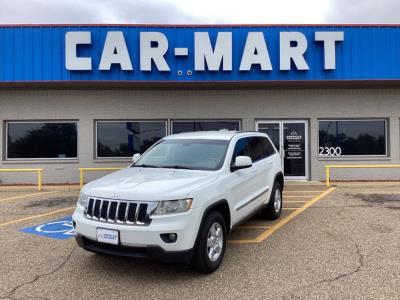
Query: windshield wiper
145	166
176	167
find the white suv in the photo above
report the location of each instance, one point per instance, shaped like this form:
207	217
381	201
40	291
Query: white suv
181	198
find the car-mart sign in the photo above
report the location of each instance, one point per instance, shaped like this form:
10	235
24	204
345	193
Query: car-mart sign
198	53
154	47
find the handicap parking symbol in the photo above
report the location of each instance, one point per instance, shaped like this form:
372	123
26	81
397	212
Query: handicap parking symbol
60	229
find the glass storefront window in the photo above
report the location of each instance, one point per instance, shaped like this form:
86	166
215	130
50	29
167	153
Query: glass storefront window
352	138
42	140
206	125
125	138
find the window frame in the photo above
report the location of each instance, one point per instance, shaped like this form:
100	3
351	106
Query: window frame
239	121
386	155
123	158
6	128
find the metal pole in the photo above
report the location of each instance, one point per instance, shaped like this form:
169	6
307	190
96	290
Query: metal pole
327	174
81	177
40	180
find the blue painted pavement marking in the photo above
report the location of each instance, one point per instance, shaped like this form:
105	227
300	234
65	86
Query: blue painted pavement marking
60	229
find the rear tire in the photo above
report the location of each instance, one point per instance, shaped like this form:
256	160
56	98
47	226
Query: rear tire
273	209
211	244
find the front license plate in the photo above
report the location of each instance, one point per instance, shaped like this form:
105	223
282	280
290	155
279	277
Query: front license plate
108	236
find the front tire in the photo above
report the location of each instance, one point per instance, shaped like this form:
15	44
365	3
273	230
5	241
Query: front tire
273	209
211	244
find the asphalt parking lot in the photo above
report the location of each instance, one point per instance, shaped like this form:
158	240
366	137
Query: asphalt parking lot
330	243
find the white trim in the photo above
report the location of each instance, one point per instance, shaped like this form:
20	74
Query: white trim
121	158
33	159
355	156
281	142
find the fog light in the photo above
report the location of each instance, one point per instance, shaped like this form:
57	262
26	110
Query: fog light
172	236
169	237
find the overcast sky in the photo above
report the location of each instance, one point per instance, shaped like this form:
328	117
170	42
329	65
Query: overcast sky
199	11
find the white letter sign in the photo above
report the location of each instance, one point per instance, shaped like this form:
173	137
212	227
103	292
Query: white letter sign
72	61
329	39
289	52
205	54
115	52
255	53
153	47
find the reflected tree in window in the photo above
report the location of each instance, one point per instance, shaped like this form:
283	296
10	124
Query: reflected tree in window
123	139
42	140
356	137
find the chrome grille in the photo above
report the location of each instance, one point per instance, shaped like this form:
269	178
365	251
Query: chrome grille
119	211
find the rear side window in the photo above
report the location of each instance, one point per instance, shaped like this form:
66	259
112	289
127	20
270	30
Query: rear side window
268	148
255	147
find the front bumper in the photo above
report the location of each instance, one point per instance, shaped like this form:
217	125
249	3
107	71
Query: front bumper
149	252
140	237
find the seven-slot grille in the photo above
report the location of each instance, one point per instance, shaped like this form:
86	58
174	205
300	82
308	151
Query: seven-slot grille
117	211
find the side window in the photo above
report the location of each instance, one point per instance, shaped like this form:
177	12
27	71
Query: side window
268	148
241	148
256	148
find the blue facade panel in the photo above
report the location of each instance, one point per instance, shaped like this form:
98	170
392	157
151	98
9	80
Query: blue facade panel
37	53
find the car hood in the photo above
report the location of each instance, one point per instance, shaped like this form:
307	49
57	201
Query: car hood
149	184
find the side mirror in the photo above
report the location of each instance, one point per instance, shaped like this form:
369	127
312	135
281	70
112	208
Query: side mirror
135	157
241	162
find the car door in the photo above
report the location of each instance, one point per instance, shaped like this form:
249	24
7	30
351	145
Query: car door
262	164
245	185
268	167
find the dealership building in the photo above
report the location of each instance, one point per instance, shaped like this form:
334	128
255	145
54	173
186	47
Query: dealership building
76	96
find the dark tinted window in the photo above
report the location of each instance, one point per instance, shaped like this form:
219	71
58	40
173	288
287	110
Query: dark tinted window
42	140
267	147
123	139
353	137
256	147
189	126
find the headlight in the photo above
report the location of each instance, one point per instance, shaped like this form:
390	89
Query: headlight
172	207
83	199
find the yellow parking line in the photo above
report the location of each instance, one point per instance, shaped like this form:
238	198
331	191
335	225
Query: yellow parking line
25	196
241	241
37	216
304	196
297	201
253	227
285	192
296	211
278	225
291	208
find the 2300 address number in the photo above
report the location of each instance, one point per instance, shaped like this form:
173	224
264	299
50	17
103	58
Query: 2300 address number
330	151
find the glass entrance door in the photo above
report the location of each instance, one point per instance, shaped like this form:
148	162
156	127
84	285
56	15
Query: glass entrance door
291	140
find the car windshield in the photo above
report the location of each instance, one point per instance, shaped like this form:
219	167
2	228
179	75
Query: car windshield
192	154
